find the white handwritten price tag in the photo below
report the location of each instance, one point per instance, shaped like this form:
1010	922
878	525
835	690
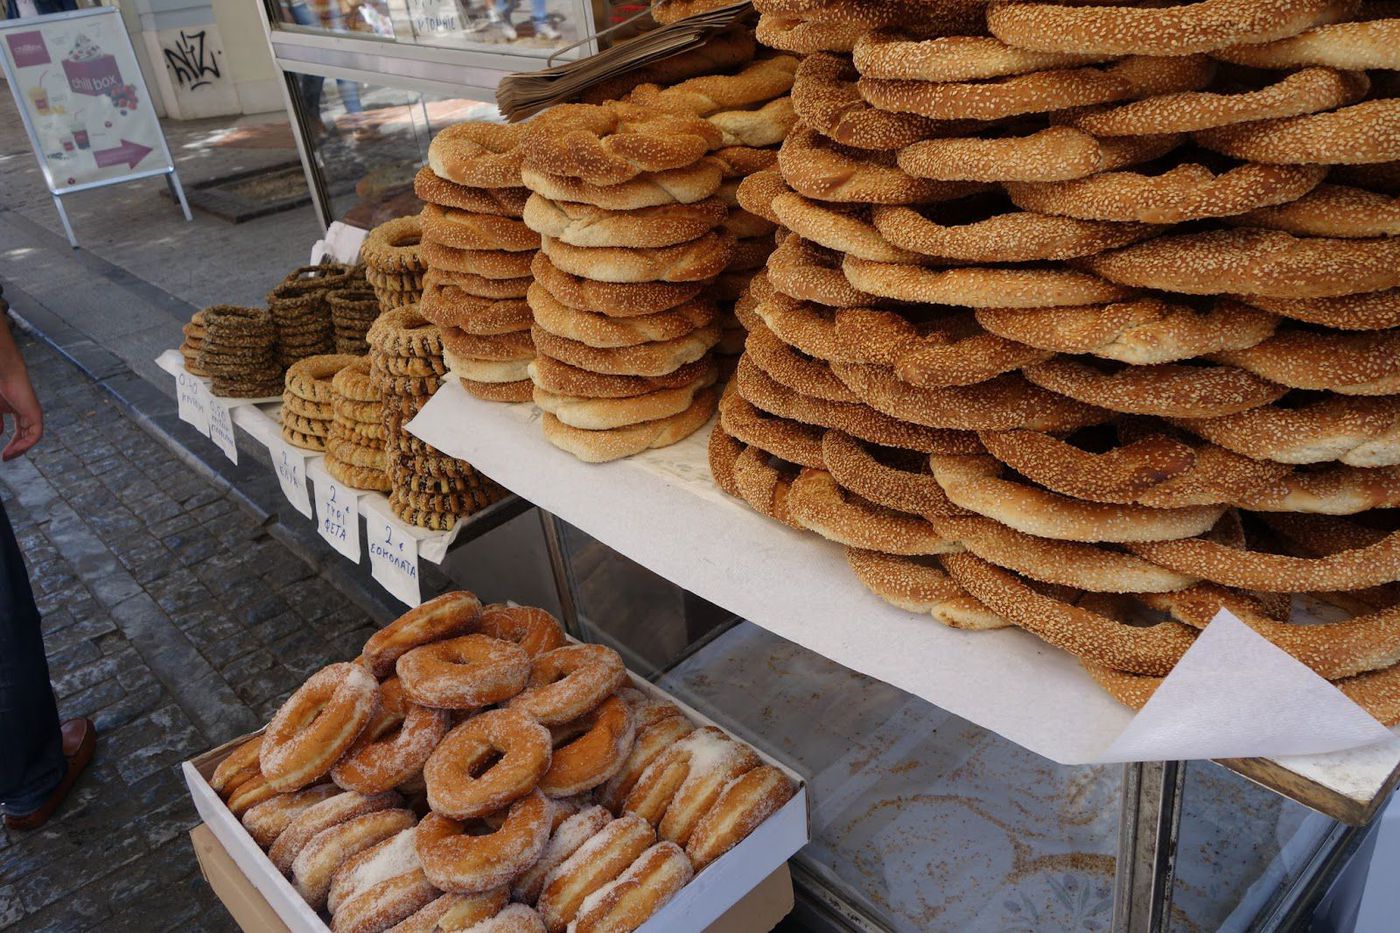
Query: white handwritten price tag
393	558
338	512
194	400
290	464
221	429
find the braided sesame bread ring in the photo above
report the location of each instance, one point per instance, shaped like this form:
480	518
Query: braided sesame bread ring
486	264
766	126
805	271
684	185
764	483
453	310
836	227
1187	191
315	819
982	287
825	98
478	155
1357	135
1041	91
828	171
310	377
743	225
1180	30
517	748
587	225
693	261
563	379
948	16
645	359
894	54
394	746
462	863
518	390
1055	153
1120	474
324	855
848	335
1365	363
602	331
353	382
816	502
466	672
1374	43
593	414
609	144
442	617
783	363
1365	311
393	246
568	682
1254	262
534	630
590	750
1363	432
502	348
1084	633
889	477
505	202
403	332
805	37
1333	211
602	446
317	724
962	355
919	585
1175	390
266	821
757	191
448	226
1010	236
1141	331
1302	92
784	438
477	286
757	83
614	299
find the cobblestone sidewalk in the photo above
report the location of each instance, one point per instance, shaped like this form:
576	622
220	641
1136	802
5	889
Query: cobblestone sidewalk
173	620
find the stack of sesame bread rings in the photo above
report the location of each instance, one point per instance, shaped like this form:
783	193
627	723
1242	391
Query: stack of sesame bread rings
478	252
1083	319
555	796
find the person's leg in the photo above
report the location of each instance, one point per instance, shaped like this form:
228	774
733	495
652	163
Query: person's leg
33	764
310	84
539	14
350	95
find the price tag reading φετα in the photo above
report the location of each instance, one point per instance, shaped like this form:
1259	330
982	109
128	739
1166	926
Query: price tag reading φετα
393	558
338	514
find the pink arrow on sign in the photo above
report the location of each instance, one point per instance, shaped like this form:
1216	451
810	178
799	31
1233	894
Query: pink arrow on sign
129	152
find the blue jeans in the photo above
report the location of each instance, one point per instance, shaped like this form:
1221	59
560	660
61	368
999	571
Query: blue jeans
31	747
311	84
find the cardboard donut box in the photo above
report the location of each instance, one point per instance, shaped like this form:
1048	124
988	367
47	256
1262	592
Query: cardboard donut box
748	888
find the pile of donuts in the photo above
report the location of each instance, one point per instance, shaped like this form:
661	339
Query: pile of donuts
478	252
1085	319
472	764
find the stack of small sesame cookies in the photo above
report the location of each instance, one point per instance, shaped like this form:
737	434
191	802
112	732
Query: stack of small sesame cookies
307	412
478	252
239	352
355	452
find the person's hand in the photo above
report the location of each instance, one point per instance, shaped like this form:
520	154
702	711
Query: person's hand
17	399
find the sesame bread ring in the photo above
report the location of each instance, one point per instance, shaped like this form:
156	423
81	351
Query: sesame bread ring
1363	432
479	154
602	331
613	299
757	191
764	126
784	438
960	353
1130	78
323	856
568	682
563	379
893	54
599	860
477	286
805	37
1187	191
590	750
1357	135
249	794
607	144
756	477
1301	92
888	477
590	414
1178	30
738	162
975	484
587	225
982	233
266	821
534	630
462	863
836	227
403	332
757	83
743	805
1055	153
743	225
1254	262
750	255
499	373
951	16
353	382
310	377
803	270
442	617
981	287
1350	569
466	672
817	503
450	308
848	335
644	888
651	741
485	263
241	764
792	368
685	780
828	171
602	446
504	202
920	585
1373	43
311	821
394	747
1083	632
393	246
693	261
448	226
656	358
1080	566
317	724
1333	211
858	420
1174	390
517	391
1365	363
1140	331
518	752
684	185
503	348
572	832
457	912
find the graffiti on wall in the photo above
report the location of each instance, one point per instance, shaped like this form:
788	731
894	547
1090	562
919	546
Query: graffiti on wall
195	64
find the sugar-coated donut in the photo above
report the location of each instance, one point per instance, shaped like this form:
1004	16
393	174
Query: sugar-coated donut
651	741
563	842
688	777
394	747
590	750
249	794
626	902
323	815
532	629
382	861
266	821
599	860
465	864
317	862
384	886
467	672
567	682
318	724
746	802
446	616
524	749
514	918
456	912
240	765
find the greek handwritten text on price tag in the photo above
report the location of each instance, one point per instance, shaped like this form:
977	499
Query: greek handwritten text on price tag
221	429
291	474
393	558
338	511
194	400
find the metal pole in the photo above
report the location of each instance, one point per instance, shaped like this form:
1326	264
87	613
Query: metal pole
1147	838
63	216
177	191
563	577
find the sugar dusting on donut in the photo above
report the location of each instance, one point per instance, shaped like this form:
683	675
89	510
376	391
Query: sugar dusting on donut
390	859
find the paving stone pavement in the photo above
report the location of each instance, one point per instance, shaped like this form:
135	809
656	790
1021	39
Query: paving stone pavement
175	621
